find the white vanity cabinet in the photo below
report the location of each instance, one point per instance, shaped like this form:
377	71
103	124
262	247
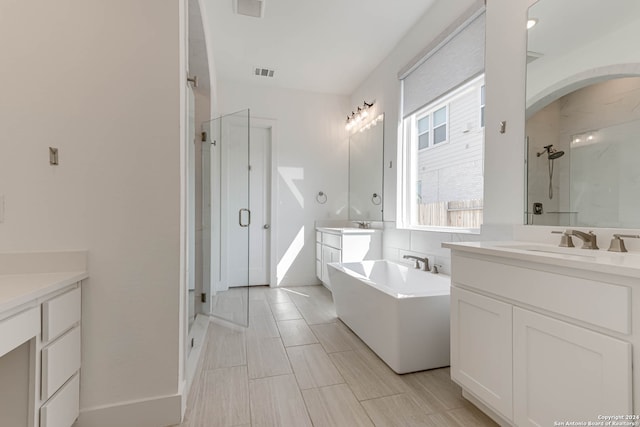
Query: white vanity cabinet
40	317
481	348
536	344
345	245
60	359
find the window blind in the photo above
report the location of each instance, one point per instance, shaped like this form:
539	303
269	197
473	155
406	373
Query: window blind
458	56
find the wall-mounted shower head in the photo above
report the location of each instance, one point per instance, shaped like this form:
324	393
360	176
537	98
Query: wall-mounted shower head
555	154
552	153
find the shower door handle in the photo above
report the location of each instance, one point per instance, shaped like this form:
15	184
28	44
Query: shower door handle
240	217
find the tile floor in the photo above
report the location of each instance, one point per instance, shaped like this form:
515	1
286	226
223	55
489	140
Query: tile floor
298	365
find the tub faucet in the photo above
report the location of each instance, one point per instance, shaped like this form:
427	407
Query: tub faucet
424	261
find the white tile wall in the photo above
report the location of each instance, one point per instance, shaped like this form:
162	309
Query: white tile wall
399	242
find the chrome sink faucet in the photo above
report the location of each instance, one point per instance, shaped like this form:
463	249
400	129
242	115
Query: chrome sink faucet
424	261
589	240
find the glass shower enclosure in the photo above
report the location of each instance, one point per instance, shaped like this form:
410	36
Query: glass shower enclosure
226	216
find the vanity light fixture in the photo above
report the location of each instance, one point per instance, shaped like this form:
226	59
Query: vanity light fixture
355	118
531	23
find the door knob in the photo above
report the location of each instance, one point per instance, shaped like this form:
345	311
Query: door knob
266	226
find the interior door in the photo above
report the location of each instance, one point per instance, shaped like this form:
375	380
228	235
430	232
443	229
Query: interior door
260	202
235	201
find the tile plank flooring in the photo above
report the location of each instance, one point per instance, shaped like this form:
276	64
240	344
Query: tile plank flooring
298	365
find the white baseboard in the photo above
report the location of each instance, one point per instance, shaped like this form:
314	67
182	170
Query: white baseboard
199	335
157	412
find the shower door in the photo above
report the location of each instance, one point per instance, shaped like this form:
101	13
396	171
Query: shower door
226	204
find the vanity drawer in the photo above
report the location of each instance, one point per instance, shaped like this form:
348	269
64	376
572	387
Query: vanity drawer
59	314
64	407
60	361
586	300
333	240
18	329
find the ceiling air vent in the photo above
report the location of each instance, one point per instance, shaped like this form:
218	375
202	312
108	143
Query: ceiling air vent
254	8
264	72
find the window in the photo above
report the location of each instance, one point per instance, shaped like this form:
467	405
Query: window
432	128
445	172
442	154
423	132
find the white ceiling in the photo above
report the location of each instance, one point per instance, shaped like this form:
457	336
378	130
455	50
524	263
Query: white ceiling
327	46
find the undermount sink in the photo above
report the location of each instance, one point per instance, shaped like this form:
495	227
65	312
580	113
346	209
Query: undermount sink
598	260
584	253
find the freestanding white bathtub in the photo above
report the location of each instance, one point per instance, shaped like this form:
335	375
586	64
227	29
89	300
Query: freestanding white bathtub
401	313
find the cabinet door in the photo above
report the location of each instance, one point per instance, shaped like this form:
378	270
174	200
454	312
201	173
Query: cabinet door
319	260
481	346
565	372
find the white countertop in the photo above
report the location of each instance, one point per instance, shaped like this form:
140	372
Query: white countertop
347	230
603	261
19	289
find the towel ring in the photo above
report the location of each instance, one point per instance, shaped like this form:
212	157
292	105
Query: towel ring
321	198
376	199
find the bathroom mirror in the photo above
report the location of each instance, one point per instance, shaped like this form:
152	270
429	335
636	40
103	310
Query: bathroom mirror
583	114
366	171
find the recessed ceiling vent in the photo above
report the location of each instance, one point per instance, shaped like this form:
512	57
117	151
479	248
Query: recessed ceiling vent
254	8
264	72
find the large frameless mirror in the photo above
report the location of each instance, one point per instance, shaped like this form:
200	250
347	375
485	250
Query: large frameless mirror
583	119
366	147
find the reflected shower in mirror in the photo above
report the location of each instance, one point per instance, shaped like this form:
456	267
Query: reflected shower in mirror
583	92
366	147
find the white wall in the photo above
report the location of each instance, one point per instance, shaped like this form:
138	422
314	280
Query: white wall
503	168
311	143
550	73
101	81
